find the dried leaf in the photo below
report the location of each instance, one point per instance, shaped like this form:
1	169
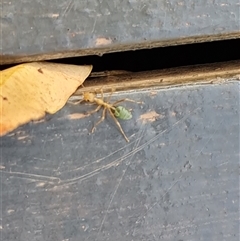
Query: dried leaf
28	91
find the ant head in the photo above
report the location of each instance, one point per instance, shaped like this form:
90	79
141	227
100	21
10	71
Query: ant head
87	96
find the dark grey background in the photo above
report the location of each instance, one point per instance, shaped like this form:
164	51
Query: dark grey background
177	179
48	27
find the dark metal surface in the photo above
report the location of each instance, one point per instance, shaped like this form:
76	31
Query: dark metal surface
53	27
177	179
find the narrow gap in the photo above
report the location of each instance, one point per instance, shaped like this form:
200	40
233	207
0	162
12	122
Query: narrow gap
158	58
161	58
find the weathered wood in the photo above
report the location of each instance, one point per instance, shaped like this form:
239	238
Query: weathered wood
39	30
189	75
177	179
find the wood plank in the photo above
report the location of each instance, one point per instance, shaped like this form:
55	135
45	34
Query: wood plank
181	76
177	179
45	29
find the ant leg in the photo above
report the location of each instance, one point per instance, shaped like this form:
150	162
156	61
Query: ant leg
119	126
102	119
109	97
102	94
97	92
93	111
76	102
107	100
128	100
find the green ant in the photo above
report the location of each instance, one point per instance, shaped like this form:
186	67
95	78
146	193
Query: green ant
114	110
122	113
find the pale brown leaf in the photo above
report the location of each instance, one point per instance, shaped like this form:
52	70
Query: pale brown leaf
28	91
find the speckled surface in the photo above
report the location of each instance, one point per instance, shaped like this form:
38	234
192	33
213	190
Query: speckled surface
177	179
47	27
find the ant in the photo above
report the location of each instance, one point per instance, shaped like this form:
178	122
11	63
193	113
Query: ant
112	109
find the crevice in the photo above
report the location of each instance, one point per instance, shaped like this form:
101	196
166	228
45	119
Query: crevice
161	58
